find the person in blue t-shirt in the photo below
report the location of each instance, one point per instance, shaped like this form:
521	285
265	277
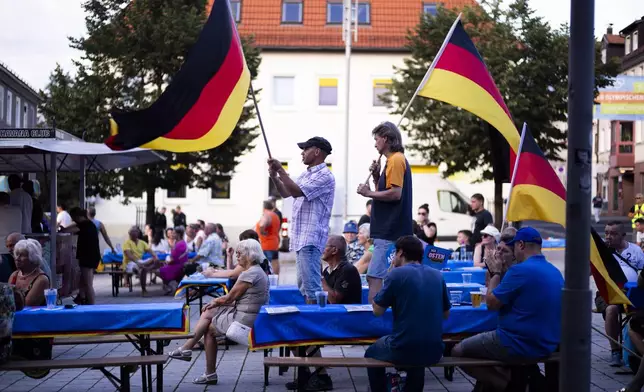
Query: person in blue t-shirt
528	299
418	297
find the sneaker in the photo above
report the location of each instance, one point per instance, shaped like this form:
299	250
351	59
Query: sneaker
319	382
210	379
616	359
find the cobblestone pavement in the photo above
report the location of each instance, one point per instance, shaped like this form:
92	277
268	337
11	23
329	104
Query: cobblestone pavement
240	370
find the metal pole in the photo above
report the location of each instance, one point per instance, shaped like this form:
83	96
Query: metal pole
53	227
82	185
259	118
576	301
347	92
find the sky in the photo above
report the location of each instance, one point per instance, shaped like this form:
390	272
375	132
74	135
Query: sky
33	38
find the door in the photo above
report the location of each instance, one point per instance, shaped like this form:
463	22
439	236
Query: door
452	215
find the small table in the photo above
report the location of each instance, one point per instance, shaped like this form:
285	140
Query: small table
196	289
291	295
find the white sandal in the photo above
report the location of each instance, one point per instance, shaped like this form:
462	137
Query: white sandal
184	355
210	379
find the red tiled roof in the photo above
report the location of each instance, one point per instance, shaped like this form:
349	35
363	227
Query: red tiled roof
390	22
614	39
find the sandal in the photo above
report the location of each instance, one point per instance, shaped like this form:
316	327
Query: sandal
184	355
210	379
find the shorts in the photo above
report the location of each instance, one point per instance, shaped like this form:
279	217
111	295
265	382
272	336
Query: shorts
271	255
308	268
379	264
486	345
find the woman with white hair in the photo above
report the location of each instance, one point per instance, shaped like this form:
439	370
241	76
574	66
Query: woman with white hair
364	239
29	277
241	304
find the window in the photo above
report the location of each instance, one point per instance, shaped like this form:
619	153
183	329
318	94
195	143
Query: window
627	44
335	11
292	11
430	8
1	102
328	95
381	93
177	193
284	90
18	116
9	112
604	55
221	189
635	41
235	8
25	115
451	202
626	131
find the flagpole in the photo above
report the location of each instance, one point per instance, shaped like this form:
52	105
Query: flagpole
431	68
259	118
514	174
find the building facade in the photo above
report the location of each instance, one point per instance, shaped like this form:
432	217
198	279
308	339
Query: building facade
18	101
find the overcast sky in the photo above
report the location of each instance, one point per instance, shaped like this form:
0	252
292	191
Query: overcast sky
34	33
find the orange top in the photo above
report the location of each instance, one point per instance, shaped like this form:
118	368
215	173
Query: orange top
270	240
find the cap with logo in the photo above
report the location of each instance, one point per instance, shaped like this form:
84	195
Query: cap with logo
318	142
526	234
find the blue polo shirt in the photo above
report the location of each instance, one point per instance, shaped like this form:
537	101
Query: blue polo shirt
418	297
530	318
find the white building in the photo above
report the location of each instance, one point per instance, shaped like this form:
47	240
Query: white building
302	81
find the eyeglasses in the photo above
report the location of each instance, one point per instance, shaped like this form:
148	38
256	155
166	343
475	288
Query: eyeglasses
422	213
485	235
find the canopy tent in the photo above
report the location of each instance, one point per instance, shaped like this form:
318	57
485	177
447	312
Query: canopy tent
52	150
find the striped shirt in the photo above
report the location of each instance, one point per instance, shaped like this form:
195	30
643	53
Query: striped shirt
312	212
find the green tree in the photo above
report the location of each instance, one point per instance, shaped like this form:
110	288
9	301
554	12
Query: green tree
130	53
528	60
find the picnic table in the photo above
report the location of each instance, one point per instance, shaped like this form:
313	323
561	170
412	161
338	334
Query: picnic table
136	321
456	276
333	325
193	289
117	258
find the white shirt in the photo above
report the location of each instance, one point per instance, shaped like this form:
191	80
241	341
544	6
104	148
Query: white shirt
162	247
63	219
640	237
10	222
635	257
23	200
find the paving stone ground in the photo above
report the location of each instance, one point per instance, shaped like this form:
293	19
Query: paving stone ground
242	371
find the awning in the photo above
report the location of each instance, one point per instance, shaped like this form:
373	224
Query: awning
31	156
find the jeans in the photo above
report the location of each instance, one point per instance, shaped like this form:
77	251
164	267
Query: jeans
381	350
308	268
379	264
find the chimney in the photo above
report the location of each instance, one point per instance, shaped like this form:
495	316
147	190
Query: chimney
609	30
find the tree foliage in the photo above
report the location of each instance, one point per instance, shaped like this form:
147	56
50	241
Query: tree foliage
130	53
528	60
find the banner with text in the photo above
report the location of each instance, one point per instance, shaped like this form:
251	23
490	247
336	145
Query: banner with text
623	101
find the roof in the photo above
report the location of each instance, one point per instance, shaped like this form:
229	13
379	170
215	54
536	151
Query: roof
5	69
626	30
390	23
614	39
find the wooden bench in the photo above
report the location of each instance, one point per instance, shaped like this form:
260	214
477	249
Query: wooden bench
117	276
127	366
521	372
116	339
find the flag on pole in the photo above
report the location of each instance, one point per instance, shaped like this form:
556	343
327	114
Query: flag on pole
201	106
538	194
459	76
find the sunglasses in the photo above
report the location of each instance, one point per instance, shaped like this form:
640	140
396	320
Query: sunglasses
485	235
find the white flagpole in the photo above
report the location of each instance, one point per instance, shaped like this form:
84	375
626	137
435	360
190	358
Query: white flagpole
426	77
514	175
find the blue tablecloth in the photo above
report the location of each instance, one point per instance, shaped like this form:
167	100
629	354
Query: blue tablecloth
290	295
169	317
478	276
334	325
635	294
117	258
465	289
215	283
456	264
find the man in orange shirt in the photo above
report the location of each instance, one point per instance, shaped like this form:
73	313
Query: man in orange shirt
391	211
268	229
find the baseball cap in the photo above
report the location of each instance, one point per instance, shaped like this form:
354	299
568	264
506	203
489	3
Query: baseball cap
492	232
350	227
318	142
526	234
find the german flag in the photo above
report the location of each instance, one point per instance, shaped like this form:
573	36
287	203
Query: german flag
201	106
458	76
538	194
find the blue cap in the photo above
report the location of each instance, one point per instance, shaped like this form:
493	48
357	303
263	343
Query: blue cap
350	227
526	234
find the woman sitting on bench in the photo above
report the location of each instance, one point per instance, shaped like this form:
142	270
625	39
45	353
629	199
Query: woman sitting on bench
241	304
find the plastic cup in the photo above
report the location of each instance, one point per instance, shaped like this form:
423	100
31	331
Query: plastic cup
455	297
321	297
483	291
455	256
477	298
50	296
273	280
363	280
467	278
469	256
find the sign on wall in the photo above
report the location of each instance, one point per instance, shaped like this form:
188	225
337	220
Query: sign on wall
623	101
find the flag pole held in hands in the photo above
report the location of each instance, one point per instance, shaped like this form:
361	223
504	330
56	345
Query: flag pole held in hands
259	118
425	79
514	175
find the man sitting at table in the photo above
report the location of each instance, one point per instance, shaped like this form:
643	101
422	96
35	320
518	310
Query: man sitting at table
418	297
133	250
342	283
210	251
528	299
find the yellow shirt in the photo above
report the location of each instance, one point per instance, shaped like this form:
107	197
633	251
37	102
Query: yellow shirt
137	249
395	170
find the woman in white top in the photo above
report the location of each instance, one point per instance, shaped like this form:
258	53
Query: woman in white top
63	219
159	244
201	234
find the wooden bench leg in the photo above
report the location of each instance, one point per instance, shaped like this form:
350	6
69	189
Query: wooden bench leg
265	369
552	376
159	367
125	379
282	369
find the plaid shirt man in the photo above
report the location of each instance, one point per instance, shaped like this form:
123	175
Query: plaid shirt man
211	250
312	212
